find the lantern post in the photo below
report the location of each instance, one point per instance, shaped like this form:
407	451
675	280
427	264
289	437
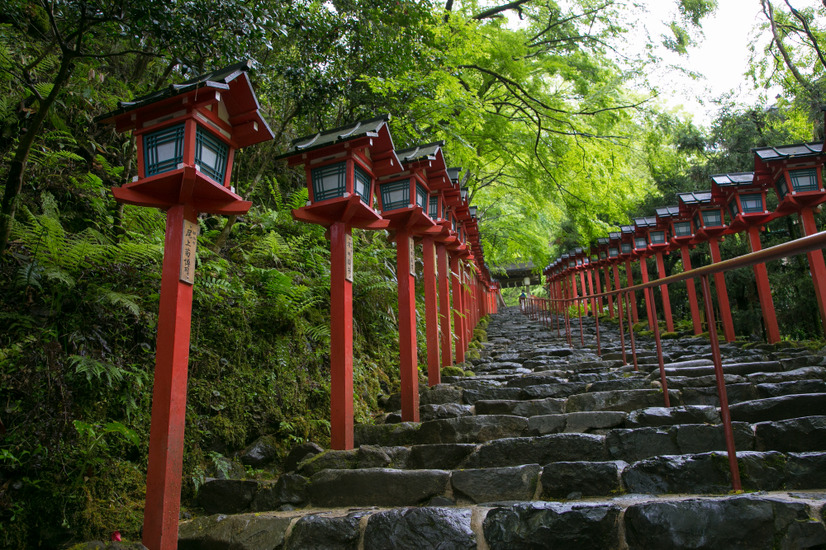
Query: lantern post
709	225
428	162
796	174
405	199
657	242
682	234
186	138
341	166
624	239
746	200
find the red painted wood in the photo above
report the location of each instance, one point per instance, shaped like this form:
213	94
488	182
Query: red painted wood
598	284
458	322
407	328
669	320
692	292
764	291
649	296
649	299
608	289
591	292
166	434
629	274
444	304
816	263
341	341
725	415
431	311
722	295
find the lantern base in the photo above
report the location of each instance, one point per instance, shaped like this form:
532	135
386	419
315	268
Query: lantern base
183	186
799	201
742	222
350	210
413	220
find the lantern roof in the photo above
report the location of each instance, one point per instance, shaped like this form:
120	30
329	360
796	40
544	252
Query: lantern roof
375	127
782	152
646	222
237	95
614	235
438	176
668	212
695	198
420	152
602	241
627	229
453	174
736	179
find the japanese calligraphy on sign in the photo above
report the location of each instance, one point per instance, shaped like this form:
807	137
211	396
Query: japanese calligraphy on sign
412	248
348	257
188	250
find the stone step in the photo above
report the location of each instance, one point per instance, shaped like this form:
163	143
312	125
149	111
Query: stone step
754	521
696	473
780	408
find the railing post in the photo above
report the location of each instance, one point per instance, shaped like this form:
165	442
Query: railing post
610	296
622	329
725	415
628	296
650	299
816	264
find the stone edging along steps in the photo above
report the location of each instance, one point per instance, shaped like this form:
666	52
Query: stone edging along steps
553	447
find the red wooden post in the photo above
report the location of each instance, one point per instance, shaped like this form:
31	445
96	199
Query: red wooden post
764	291
341	338
669	321
407	326
650	300
725	415
599	290
166	434
722	295
816	263
692	291
444	305
649	296
610	297
431	310
458	321
617	286
630	276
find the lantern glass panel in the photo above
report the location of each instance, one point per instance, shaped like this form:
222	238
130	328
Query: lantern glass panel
733	208
751	203
433	211
712	218
781	186
163	150
362	184
453	223
329	181
682	229
657	237
640	243
395	195
613	252
697	220
421	197
626	248
804	179
211	155
603	255
579	261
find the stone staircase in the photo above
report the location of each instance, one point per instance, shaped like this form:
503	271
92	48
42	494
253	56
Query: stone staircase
553	447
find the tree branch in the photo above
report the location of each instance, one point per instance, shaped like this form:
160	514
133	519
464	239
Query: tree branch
495	11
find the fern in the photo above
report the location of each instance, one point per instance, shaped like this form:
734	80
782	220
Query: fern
271	247
117	299
96	371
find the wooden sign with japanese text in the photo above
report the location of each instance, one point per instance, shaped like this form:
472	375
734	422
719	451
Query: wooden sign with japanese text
348	256
188	251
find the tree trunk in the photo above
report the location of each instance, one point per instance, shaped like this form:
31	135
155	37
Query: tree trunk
17	167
